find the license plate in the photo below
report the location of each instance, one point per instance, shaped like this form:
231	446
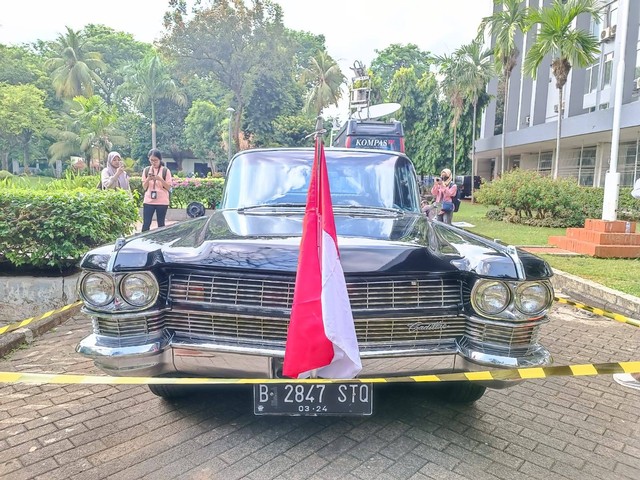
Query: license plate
313	399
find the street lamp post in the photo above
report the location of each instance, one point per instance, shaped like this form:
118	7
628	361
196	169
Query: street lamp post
230	111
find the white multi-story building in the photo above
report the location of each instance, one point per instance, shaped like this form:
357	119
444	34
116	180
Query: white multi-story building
585	148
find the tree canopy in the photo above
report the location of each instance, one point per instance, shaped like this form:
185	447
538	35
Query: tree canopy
100	89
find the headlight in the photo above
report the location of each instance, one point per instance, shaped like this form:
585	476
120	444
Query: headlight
97	289
491	297
139	289
532	298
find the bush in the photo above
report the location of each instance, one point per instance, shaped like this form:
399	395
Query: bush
4	174
41	228
207	191
526	197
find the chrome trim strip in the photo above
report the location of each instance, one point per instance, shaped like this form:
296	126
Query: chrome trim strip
513	253
124	314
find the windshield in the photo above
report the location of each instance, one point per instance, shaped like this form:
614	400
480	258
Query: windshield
281	177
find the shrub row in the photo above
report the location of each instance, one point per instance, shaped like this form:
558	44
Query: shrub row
54	228
207	191
525	196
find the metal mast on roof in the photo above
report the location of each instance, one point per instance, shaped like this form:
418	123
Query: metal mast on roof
360	90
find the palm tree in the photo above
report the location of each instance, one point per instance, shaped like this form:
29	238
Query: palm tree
557	36
73	70
503	26
454	89
90	130
476	70
148	82
325	80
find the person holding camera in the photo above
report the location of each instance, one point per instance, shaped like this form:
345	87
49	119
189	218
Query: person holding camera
156	182
113	175
444	191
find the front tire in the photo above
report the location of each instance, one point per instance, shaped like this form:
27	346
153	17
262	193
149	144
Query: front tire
462	392
168	392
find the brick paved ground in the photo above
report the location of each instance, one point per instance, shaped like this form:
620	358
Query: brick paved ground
574	428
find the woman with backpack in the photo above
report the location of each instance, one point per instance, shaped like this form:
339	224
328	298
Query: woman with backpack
156	182
444	191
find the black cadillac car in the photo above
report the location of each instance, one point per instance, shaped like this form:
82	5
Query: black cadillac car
212	296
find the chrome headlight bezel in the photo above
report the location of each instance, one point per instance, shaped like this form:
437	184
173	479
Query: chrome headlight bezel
515	310
544	305
149	280
479	303
110	291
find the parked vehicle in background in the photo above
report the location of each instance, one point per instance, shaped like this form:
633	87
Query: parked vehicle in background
371	134
464	182
212	296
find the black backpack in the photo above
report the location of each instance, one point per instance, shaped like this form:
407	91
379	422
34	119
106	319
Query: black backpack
456	199
145	172
164	177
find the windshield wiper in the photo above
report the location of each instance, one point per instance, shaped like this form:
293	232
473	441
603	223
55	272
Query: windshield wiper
369	208
271	205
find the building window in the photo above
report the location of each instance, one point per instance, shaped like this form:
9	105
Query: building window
587	167
603	106
595	27
612	14
637	70
591	78
544	163
607	70
628	162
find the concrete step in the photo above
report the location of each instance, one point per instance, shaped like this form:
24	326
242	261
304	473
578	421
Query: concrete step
615	226
594	249
603	238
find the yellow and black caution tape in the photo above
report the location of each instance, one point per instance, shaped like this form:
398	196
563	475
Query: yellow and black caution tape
510	374
23	323
598	311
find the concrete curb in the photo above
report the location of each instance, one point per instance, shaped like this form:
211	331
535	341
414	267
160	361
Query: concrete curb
595	294
12	340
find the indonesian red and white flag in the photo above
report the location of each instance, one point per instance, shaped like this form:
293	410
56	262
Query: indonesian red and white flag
321	334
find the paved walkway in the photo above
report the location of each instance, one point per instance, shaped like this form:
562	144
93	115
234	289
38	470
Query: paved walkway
559	428
154	225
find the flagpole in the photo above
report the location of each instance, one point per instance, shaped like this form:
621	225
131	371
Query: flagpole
318	138
321	336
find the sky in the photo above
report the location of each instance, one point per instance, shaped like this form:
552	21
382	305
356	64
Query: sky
353	29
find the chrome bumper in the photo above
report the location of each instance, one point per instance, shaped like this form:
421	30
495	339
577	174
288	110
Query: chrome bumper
164	354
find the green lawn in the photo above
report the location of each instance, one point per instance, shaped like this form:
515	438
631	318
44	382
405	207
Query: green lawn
619	274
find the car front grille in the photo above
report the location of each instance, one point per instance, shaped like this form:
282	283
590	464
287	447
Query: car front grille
509	338
256	291
254	310
123	326
272	331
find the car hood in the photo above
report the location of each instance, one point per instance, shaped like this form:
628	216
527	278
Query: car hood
387	243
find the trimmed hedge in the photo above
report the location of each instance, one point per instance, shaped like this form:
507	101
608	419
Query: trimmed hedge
525	196
207	191
44	228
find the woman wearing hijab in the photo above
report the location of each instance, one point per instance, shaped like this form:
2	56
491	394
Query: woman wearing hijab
113	175
444	190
